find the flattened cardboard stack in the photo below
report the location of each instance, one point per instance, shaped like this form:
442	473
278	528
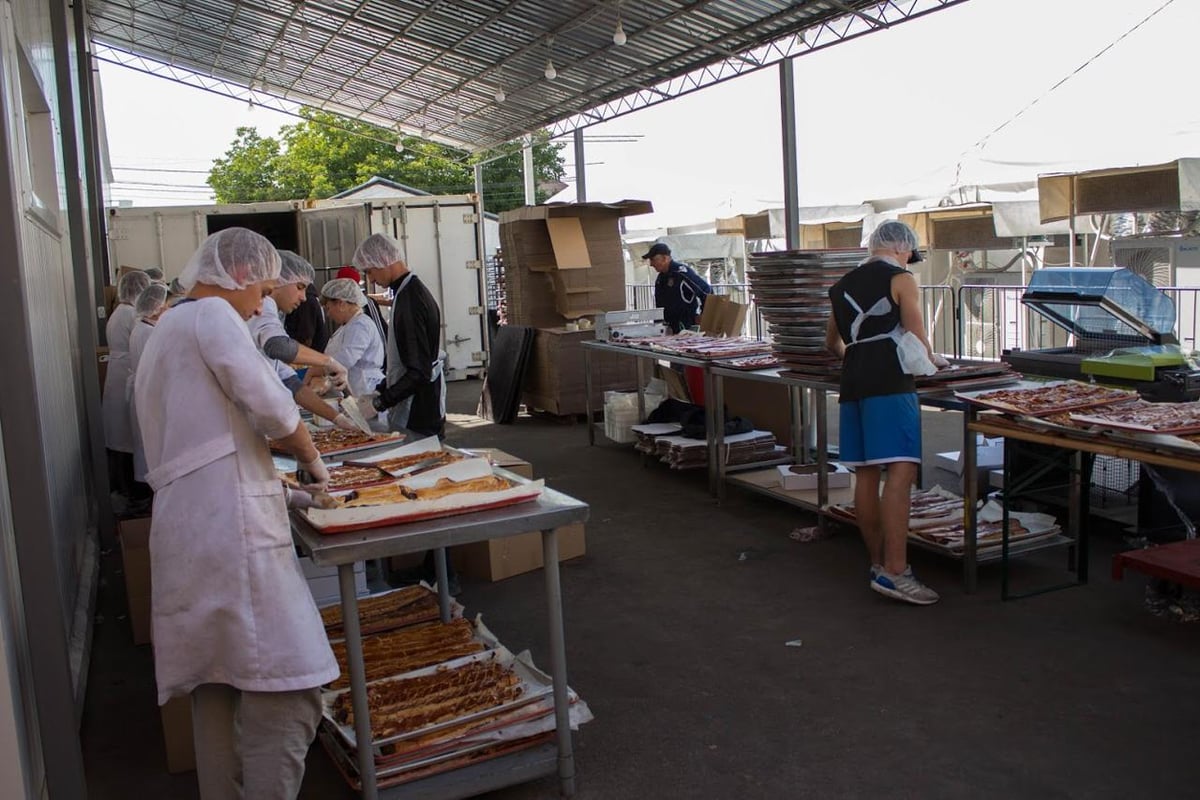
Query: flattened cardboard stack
564	261
556	379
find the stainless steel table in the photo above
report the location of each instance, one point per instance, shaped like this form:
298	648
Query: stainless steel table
551	510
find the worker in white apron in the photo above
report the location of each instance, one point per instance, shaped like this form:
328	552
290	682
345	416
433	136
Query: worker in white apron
414	391
234	624
118	430
882	348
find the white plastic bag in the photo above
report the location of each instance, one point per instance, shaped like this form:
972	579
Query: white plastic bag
914	358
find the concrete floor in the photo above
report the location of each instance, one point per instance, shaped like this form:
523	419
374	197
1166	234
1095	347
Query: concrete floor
677	620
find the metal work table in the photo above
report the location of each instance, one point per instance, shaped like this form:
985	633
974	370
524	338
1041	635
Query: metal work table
550	511
1081	445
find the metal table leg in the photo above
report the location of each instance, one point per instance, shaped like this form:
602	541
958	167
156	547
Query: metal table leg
587	395
822	420
640	364
558	663
797	424
443	583
970	499
358	680
718	434
711	414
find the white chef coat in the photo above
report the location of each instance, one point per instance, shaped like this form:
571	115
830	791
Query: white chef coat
137	343
118	435
358	346
230	604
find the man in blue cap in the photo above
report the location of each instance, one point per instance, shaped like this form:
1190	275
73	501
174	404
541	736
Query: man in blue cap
678	290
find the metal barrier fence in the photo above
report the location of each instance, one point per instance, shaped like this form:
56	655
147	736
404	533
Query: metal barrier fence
971	321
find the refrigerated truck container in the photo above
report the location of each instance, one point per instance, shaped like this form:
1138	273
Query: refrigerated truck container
442	236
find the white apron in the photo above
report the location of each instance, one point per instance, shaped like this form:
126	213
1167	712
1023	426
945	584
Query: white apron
230	604
137	344
118	433
397	415
910	351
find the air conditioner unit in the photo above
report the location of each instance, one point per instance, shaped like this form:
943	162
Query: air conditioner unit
1162	260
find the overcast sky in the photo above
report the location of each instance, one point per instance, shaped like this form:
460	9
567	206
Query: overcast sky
911	110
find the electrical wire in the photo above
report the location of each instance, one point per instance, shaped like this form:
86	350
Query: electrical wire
982	142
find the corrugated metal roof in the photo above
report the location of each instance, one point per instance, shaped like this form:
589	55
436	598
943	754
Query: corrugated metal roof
440	66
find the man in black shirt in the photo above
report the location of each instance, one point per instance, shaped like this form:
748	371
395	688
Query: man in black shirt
414	391
873	305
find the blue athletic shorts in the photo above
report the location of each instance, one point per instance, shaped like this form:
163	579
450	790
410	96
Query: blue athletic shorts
879	430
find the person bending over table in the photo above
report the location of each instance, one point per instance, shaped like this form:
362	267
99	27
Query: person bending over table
874	305
235	626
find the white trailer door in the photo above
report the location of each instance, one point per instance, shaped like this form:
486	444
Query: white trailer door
443	251
329	236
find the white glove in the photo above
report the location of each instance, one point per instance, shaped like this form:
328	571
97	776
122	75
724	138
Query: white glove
299	499
336	372
344	422
317	477
940	361
366	406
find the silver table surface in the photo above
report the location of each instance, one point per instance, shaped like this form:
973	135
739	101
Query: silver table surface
551	510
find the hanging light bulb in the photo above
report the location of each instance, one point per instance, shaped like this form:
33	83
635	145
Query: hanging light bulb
304	33
399	145
281	60
500	95
458	117
619	37
550	72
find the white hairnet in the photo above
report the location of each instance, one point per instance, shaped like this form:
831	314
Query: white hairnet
377	252
175	287
893	235
152	298
131	285
295	269
344	289
155	273
232	259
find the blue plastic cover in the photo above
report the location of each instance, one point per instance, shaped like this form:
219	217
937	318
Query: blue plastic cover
1091	301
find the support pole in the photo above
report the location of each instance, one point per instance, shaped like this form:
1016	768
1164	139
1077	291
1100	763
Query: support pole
527	169
791	178
580	169
481	244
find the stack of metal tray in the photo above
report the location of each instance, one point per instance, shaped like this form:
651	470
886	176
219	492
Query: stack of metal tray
791	288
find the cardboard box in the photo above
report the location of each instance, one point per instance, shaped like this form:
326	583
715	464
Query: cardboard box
177	734
564	261
722	316
497	559
324	584
135	560
989	454
556	381
803	477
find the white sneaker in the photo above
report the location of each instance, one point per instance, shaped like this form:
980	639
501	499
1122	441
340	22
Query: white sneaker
904	587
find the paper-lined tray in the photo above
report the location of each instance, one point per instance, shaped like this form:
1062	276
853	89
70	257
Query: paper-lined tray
1094	397
341	520
375	440
1154	418
533	684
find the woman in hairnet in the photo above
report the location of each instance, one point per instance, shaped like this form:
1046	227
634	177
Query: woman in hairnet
356	343
150	305
234	624
118	432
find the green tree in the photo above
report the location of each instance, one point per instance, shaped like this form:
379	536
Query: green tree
324	154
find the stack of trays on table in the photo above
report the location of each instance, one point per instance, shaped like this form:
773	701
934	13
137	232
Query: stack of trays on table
936	518
441	696
791	289
681	452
